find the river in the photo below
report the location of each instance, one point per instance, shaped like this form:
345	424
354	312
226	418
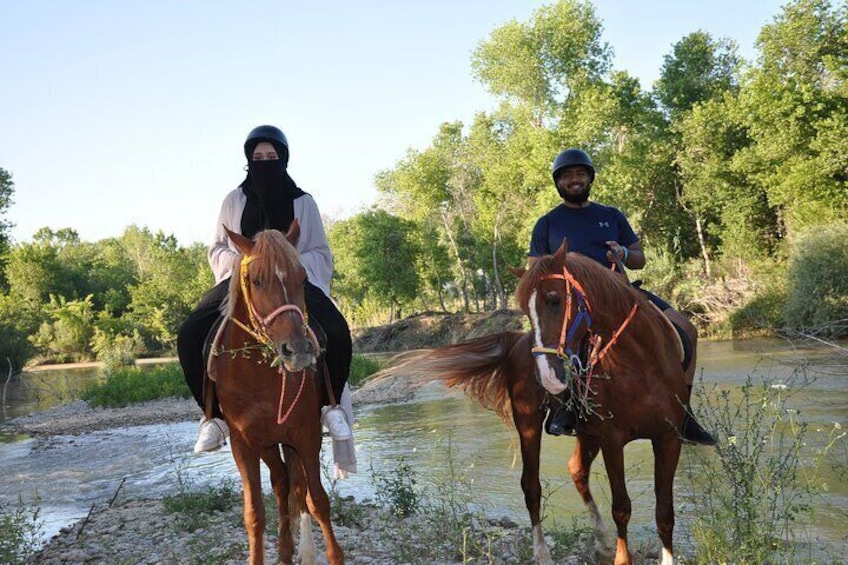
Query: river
440	434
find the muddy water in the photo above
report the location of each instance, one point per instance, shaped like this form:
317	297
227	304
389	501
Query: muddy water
70	474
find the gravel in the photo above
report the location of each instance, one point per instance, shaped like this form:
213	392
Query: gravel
142	531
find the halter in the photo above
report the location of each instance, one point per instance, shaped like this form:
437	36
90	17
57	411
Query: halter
566	349
258	329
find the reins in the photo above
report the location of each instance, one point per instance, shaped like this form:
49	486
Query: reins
258	330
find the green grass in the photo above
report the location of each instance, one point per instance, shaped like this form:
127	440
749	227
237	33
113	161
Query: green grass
362	367
132	384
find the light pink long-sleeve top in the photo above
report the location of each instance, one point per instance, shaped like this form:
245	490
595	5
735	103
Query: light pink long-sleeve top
312	245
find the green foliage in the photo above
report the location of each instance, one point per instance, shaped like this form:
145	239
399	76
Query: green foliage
194	506
698	69
377	258
133	384
7	189
760	485
66	336
116	351
817	286
397	491
21	529
362	367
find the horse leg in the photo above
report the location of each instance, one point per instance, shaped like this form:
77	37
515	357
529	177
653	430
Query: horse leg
585	451
666	456
621	508
528	422
280	485
319	506
247	462
297	505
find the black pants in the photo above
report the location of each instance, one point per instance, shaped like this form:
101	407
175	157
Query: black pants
196	328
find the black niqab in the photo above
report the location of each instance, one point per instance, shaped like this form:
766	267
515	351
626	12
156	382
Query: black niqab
271	193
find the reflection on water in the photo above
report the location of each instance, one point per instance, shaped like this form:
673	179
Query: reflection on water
441	434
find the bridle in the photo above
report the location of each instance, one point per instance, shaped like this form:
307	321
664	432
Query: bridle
259	324
567	349
258	329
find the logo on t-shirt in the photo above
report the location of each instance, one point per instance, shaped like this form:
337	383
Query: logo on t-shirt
603	224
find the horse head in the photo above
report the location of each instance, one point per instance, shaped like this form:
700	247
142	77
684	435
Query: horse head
560	315
271	288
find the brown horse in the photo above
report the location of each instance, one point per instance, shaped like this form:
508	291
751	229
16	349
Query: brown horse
264	359
602	340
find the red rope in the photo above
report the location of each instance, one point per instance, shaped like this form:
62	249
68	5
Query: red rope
281	418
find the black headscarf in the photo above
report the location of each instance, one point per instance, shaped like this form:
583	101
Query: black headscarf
271	193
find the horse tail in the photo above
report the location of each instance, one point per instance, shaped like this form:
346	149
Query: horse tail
477	366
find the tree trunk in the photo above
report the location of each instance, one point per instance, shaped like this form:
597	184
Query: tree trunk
703	243
466	301
500	295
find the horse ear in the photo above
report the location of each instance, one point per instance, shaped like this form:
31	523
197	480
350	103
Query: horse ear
294	232
243	244
563	249
518	272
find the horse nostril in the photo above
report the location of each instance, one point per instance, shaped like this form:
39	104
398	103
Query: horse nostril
284	349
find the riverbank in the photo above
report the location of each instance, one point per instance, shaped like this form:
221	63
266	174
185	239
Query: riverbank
143	531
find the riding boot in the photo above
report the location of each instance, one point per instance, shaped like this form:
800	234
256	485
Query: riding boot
562	420
693	432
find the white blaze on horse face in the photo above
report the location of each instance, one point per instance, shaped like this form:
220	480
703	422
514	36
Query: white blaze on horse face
546	373
283	284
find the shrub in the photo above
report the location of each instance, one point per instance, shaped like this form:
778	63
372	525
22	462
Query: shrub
20	531
132	385
816	281
362	367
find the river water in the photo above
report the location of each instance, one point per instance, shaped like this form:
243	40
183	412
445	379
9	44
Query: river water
441	435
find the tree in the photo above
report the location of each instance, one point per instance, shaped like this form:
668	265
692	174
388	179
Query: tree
7	189
378	259
795	106
540	62
699	68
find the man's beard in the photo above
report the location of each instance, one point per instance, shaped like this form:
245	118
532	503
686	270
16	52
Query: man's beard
575	198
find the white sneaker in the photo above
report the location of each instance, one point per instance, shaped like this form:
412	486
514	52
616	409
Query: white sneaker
335	421
213	435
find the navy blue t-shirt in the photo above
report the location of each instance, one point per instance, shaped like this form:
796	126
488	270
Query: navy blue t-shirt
587	230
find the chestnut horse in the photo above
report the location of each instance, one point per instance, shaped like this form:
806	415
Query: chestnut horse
602	340
263	359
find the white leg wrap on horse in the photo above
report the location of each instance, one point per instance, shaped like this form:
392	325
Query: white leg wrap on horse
306	545
667	557
540	548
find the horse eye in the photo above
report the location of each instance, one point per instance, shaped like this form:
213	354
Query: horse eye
553	299
257	282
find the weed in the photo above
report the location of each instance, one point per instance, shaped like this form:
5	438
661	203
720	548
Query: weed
754	489
20	531
132	384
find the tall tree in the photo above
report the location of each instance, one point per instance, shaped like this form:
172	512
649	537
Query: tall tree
699	68
795	106
378	259
7	189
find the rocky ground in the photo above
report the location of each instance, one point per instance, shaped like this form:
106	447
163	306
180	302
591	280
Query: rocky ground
144	532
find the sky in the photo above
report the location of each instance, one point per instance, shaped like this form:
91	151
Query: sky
116	113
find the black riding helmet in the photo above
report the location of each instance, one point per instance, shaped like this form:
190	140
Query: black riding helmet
271	134
571	158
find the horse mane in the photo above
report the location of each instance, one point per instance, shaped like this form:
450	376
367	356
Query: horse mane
609	289
271	250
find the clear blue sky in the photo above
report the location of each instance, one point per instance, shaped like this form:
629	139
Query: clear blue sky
125	112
